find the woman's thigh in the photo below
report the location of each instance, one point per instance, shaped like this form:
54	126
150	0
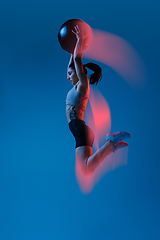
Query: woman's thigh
82	154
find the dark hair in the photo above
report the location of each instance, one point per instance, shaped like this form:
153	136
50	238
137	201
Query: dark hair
97	75
94	77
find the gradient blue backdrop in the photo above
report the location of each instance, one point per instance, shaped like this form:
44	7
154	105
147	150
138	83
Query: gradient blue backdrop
39	195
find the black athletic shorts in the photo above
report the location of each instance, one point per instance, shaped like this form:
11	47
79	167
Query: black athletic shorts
84	135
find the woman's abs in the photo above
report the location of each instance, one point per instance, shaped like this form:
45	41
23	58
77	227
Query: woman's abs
73	112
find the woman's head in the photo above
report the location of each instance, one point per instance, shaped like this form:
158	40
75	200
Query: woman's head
95	77
71	74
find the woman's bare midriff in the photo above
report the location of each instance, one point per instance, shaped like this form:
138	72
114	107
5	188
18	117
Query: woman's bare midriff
79	112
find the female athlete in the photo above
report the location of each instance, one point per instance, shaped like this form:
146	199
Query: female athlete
76	104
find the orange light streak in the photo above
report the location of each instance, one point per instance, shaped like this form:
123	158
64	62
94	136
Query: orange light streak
100	122
118	54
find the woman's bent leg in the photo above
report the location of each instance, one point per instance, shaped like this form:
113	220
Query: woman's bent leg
89	161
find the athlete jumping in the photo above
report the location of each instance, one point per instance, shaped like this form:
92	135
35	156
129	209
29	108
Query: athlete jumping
76	104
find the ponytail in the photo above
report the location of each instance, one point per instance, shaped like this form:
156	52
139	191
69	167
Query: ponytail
97	75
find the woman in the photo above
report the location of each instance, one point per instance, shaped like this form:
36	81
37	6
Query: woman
76	104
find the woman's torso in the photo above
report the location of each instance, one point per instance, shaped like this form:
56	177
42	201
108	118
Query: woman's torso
83	94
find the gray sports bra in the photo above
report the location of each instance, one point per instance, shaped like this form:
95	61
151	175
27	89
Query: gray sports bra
76	99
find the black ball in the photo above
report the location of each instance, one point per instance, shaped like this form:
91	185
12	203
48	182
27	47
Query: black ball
67	38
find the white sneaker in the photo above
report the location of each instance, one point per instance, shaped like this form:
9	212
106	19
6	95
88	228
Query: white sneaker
118	136
119	145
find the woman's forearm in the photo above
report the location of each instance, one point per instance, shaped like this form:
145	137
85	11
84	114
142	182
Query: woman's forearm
70	60
78	49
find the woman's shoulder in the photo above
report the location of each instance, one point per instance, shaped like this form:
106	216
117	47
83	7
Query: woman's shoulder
84	90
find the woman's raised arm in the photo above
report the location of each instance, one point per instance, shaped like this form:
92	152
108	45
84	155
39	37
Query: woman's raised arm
70	60
77	56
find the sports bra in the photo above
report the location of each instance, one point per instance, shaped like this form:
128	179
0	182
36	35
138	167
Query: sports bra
76	99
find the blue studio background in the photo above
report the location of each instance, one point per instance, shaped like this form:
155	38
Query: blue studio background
39	195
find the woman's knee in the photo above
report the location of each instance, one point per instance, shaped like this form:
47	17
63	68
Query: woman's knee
85	168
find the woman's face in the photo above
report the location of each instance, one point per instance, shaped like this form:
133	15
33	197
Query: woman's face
72	76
